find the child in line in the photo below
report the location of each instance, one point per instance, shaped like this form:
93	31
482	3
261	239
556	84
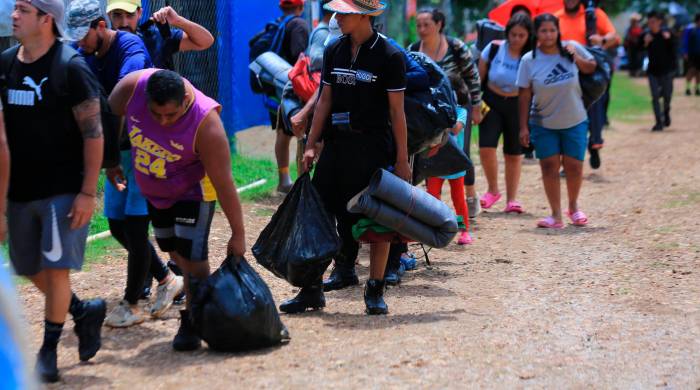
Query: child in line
434	184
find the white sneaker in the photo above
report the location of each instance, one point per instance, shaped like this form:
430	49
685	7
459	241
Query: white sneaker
474	207
123	316
165	295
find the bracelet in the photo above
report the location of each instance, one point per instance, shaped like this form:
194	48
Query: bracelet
90	195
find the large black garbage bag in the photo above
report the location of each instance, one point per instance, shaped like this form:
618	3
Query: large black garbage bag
449	160
429	112
300	240
233	309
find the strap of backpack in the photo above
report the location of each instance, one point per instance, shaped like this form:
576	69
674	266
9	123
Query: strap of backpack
59	68
281	31
7	59
493	51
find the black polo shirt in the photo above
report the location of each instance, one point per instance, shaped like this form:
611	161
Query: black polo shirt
361	87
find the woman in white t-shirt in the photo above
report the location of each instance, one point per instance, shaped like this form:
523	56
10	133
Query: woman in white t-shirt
498	66
552	114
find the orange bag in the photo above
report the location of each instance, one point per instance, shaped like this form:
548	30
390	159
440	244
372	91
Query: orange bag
304	82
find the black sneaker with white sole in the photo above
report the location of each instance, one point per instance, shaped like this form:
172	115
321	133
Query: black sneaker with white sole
88	328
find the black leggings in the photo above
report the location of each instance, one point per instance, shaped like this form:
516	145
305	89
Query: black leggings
132	234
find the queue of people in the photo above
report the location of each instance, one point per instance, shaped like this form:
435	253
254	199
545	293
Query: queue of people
174	163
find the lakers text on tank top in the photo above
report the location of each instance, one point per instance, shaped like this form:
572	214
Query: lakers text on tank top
166	165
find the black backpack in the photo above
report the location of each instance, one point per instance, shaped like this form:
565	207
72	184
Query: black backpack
59	83
269	39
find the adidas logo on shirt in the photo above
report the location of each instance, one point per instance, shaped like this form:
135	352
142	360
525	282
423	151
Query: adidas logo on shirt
559	73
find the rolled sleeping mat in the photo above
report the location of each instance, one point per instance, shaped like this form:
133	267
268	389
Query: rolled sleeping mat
410	199
406	225
408	210
271	69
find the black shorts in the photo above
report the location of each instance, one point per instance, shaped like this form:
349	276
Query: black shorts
694	62
502	119
184	228
274	124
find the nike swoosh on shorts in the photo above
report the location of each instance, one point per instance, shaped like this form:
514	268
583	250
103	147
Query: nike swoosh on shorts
56	251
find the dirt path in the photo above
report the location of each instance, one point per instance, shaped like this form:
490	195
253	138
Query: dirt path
615	304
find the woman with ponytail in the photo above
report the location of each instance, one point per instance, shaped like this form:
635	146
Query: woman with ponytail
552	115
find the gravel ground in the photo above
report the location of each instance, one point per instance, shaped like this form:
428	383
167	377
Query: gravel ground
612	305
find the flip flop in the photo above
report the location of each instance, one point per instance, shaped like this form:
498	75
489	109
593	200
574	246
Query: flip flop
488	199
549	223
579	218
514	207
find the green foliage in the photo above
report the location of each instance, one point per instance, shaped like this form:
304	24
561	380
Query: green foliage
629	99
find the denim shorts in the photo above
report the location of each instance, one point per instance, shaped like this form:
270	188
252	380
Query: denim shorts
570	142
130	202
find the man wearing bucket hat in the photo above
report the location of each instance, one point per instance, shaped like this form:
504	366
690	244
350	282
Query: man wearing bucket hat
364	79
112	55
183	35
55	138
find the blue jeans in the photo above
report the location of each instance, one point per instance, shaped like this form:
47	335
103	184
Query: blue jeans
596	122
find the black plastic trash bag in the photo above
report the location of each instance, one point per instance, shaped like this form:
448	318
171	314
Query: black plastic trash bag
233	309
300	240
594	85
449	160
430	112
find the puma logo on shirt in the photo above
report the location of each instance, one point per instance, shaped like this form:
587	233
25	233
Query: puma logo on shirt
559	73
26	98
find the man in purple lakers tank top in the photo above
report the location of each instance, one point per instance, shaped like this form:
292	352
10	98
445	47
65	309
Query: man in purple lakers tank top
182	164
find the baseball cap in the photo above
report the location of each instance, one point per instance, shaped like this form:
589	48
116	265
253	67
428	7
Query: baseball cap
55	8
291	3
129	6
80	14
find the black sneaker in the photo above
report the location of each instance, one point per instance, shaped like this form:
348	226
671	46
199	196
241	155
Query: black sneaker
657	127
392	275
374	298
308	298
595	158
186	338
340	278
88	328
47	365
688	93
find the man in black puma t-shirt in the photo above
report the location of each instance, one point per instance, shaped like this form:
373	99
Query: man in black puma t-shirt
55	140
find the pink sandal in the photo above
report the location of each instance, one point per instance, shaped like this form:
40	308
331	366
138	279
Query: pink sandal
549	223
579	218
488	199
514	207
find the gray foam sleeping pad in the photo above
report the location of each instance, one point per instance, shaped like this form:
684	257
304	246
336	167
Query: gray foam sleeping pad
410	211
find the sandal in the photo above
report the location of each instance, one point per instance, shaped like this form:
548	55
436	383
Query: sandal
579	218
549	223
514	207
488	199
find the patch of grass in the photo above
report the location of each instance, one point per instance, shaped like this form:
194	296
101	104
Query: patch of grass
629	99
247	170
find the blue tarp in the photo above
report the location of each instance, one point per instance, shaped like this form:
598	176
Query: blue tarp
245	19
